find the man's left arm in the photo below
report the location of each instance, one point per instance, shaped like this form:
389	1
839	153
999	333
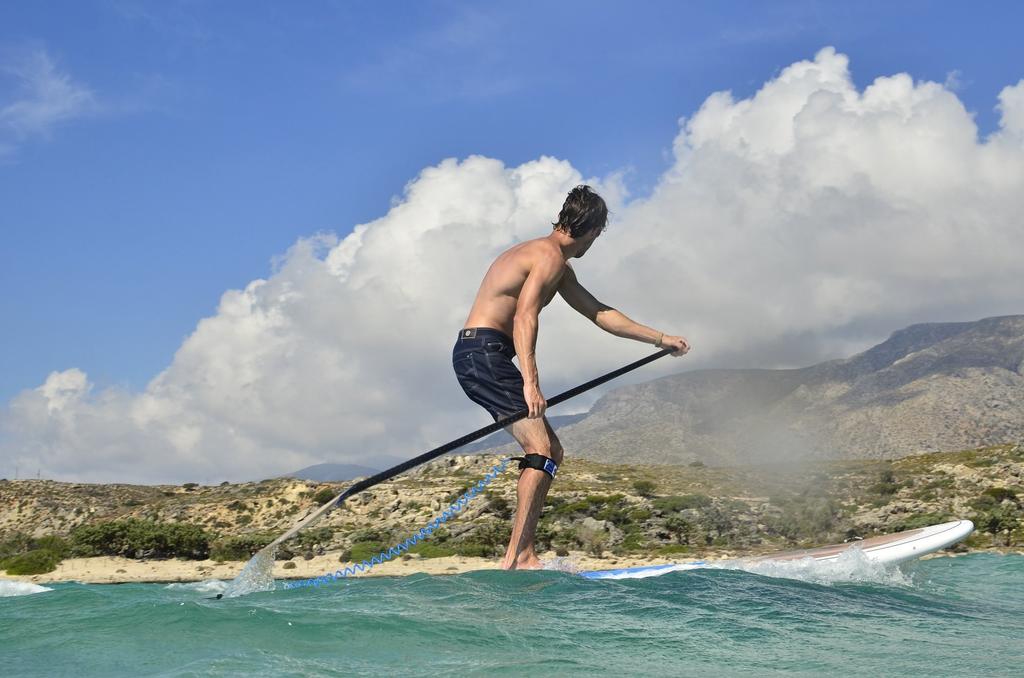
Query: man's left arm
612	320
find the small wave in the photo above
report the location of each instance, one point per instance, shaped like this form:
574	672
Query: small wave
20	588
206	586
851	566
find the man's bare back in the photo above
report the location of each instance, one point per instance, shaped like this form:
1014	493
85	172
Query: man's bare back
517	286
496	300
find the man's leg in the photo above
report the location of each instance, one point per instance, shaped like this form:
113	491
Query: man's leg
535	436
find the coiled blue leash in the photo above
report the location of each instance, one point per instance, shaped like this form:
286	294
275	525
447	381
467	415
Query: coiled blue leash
424	532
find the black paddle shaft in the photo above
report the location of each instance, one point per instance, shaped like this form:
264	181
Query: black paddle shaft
491	428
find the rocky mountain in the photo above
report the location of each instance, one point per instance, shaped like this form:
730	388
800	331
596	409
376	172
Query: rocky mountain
929	387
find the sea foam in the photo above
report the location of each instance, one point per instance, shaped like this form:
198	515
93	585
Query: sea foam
850	566
20	588
206	586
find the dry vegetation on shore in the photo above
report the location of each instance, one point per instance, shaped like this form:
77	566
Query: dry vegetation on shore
603	510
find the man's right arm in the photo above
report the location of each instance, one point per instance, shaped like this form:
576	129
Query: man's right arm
540	284
612	320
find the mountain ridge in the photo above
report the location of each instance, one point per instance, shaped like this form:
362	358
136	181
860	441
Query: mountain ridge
929	387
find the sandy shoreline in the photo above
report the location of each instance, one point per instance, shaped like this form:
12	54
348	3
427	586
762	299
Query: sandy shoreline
111	570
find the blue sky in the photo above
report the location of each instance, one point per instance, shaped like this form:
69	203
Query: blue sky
214	135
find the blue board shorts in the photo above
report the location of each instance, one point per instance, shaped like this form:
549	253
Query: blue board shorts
482	359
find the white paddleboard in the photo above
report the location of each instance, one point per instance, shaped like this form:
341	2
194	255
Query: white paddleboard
888	549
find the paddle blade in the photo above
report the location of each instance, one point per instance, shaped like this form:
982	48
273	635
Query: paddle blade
258	573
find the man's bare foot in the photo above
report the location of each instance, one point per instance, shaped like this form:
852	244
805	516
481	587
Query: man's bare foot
524	563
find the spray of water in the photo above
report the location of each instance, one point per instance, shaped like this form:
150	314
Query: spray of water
256	576
207	586
562	564
850	566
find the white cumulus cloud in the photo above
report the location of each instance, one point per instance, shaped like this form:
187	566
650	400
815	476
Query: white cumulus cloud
803	222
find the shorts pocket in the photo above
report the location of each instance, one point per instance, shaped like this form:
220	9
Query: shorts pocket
465	370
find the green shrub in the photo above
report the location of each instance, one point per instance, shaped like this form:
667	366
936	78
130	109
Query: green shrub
492	533
682	530
324	495
716	522
924	495
427	550
37	561
603	507
312	537
919	520
615	510
568	508
639	514
644	488
499	506
1000	519
604	499
633	541
133	538
371	534
363	550
993	497
476	550
886	485
671	549
19	542
239	547
807	518
1001	494
58	545
544	535
488	540
943	482
679	503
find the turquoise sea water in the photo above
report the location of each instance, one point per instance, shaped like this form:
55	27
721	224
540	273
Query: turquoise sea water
946	616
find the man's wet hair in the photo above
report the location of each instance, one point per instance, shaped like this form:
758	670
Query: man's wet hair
582	212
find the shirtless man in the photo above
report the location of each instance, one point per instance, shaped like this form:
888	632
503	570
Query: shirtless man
503	324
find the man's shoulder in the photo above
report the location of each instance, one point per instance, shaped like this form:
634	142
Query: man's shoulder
542	250
539	255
